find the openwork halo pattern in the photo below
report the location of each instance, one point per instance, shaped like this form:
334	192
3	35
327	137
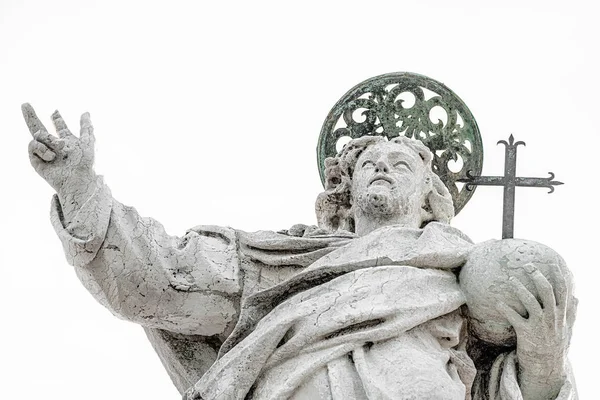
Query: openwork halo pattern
417	107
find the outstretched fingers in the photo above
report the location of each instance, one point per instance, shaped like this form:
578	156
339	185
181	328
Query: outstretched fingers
563	292
60	125
544	288
513	317
39	131
87	130
531	304
31	119
571	311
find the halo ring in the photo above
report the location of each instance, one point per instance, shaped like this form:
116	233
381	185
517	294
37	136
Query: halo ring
379	106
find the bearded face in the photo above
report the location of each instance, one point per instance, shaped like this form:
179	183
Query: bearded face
388	181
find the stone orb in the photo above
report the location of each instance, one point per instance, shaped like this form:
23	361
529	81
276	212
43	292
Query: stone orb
484	281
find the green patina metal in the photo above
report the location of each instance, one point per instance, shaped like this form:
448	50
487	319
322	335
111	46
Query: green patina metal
379	106
509	181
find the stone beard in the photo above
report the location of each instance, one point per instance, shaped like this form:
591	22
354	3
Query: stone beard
367	305
382	203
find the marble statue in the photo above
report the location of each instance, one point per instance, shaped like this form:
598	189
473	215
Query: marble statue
382	300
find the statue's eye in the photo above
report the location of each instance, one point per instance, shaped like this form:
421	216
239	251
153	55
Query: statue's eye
402	164
367	163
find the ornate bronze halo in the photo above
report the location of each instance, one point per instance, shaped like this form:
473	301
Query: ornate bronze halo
413	105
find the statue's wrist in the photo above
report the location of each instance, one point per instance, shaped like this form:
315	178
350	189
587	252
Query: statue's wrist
77	181
531	361
544	377
75	191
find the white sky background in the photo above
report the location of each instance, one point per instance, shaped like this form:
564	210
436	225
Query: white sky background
209	113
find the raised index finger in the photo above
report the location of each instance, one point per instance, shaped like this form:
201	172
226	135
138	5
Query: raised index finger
31	119
87	130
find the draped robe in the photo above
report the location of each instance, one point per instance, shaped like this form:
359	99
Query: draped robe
327	317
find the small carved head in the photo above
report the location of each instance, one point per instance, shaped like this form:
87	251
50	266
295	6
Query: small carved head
377	176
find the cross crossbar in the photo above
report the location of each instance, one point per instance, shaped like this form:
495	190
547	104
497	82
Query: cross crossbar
509	181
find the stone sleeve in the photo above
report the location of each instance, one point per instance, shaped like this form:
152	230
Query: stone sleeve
188	285
504	384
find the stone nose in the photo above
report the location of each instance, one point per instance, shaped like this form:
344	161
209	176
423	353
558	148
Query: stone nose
381	166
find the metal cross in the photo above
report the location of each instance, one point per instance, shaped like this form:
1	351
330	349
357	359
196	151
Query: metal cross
509	181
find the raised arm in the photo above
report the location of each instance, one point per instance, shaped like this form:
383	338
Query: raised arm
187	285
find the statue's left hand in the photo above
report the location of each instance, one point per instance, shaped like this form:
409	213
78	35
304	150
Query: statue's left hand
543	335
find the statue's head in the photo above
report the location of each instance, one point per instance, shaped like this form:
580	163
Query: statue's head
382	181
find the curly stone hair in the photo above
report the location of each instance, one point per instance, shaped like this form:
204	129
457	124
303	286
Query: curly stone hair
334	205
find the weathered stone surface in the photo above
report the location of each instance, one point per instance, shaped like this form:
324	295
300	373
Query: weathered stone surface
384	299
487	280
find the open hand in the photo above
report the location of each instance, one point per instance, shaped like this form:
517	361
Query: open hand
63	161
543	334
